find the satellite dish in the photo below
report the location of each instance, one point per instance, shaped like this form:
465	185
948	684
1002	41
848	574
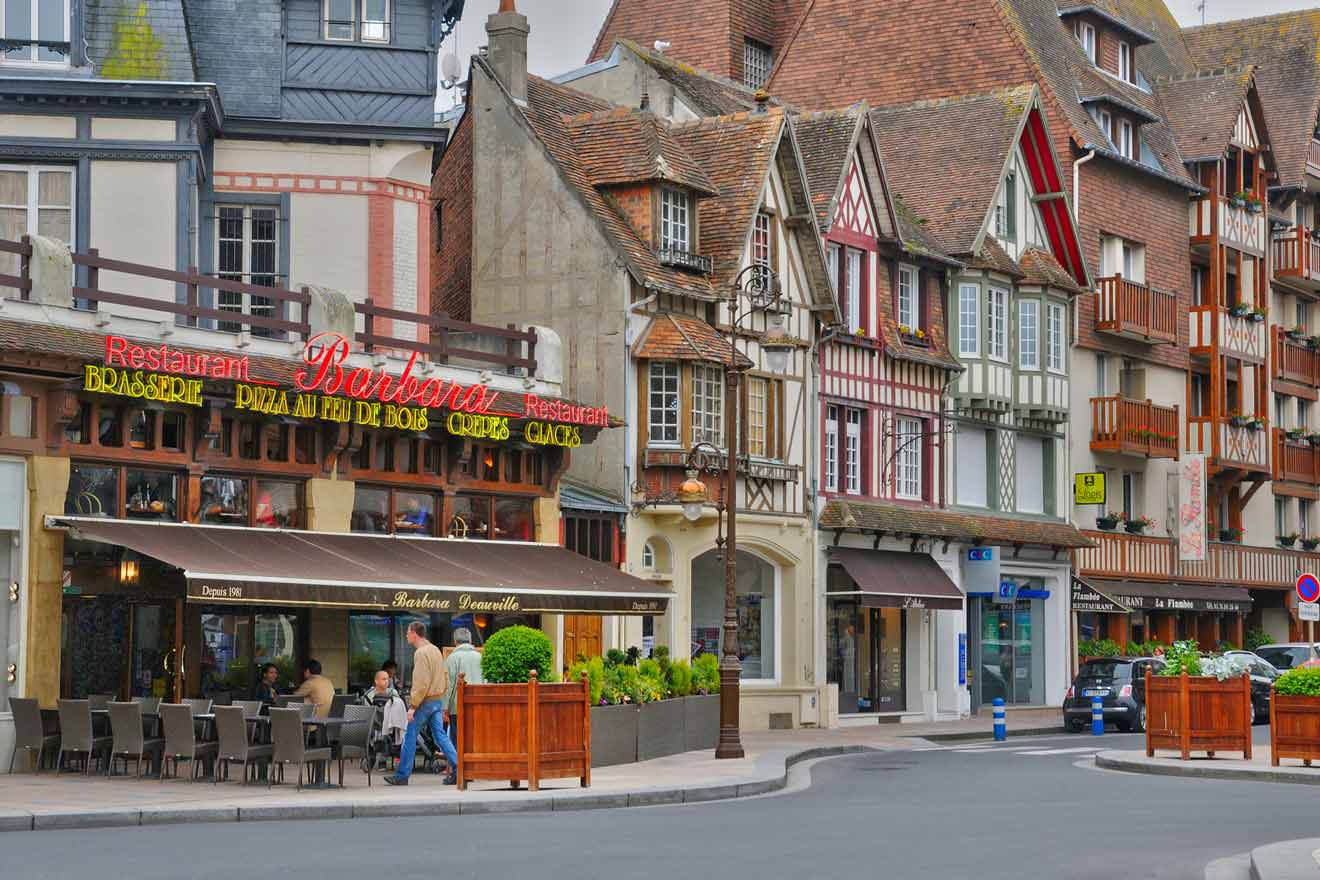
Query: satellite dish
450	69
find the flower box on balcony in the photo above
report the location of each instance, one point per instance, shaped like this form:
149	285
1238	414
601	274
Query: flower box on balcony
1287	540
1108	523
1230	536
1138	526
1198	713
1239	310
1298	434
1310	543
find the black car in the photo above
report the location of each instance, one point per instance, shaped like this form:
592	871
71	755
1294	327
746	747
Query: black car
1262	677
1120	682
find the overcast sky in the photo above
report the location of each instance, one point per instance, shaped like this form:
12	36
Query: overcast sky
564	30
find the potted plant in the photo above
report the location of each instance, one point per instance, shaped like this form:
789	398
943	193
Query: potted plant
1198	703
1295	715
1230	535
1094	649
1298	334
1238	419
1310	543
1255	205
1315	234
1108	522
1137	525
1258	315
1239	198
1239	310
1288	540
1299	434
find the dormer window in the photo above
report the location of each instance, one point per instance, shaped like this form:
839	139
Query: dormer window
1086	37
1006	209
34	31
1127	139
675	220
343	24
1125	70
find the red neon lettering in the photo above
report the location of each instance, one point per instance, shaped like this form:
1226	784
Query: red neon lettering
114	351
334	349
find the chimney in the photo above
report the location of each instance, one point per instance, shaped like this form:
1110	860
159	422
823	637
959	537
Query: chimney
507	32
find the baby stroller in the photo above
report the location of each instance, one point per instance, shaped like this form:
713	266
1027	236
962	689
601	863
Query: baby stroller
381	750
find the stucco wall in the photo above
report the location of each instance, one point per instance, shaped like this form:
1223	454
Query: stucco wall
317	219
133	218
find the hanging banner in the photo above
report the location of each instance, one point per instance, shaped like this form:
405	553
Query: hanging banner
1191	508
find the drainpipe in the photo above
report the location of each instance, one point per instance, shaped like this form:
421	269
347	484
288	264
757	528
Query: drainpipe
1077	184
631	440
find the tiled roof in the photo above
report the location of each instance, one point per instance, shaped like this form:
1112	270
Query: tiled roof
714	95
673	336
925	522
735	151
1167	55
1202	109
1285	49
50	341
827	140
992	256
917	239
628	146
1040	267
921	160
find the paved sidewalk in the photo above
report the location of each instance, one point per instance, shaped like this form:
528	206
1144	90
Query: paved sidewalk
1222	766
46	801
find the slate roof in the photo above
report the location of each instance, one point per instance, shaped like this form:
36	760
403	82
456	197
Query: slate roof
167	56
927	522
1285	50
1040	267
672	336
237	46
713	95
1202	109
914	139
627	146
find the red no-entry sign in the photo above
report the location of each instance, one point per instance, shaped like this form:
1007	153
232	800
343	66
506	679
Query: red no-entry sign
1308	587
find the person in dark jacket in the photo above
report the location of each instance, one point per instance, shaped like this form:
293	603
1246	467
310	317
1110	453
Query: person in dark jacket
264	689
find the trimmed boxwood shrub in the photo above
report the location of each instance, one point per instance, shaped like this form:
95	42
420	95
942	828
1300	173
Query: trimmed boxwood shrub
511	654
1304	681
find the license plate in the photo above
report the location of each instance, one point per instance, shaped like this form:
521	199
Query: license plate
1096	692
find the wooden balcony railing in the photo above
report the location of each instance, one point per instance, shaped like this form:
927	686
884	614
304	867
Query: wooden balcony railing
1313	156
1296	255
1294	361
1296	461
1143	558
1134	427
1239	227
1239	335
1229	445
271	311
1135	311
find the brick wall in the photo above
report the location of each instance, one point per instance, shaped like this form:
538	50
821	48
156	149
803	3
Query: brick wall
451	266
637	203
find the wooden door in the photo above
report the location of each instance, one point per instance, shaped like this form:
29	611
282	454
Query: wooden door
581	637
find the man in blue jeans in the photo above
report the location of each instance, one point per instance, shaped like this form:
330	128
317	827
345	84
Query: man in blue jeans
426	703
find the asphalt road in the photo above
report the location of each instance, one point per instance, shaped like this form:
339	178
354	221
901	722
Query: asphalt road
980	811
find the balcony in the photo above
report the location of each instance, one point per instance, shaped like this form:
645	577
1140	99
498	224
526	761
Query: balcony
1296	257
1295	461
1134	427
1215	216
1230	446
1295	361
1242	336
1313	158
685	260
1135	311
1142	558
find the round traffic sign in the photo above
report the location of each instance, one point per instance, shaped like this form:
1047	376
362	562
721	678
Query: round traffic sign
1308	587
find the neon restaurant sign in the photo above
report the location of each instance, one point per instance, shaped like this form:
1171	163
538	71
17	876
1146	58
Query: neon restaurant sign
326	389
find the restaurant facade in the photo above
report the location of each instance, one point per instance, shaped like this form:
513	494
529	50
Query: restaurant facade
192	501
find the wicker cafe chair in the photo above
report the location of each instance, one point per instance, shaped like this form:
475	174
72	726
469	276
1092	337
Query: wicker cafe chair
129	740
29	734
99	702
200	705
354	742
150	705
251	708
181	739
308	710
235	748
286	729
76	736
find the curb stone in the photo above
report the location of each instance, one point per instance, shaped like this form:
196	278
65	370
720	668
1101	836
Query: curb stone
986	734
773	780
1121	762
1286	860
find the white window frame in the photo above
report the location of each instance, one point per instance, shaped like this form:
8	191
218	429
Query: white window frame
245	304
909	297
670	403
852	268
707	410
1125	62
758	416
832	252
997	346
1006	208
34	58
969	320
385	24
648	556
1085	33
675	220
758	61
33	207
1127	138
1029	334
852	450
1056	341
831	448
908	458
1107	124
1304	507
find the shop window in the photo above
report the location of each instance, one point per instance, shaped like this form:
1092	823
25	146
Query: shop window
304	445
235	647
151	495
371	510
109	428
757	598
470	517
277	442
277	505
592	537
513	519
394	511
244	501
78	430
249	441
370	646
490	464
93	491
173	430
142	429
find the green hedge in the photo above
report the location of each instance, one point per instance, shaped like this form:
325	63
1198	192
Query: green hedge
511	654
1304	681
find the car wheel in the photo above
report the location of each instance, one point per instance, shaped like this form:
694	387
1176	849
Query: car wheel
1139	726
1256	715
1075	726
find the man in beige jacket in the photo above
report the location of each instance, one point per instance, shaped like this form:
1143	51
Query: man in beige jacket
426	705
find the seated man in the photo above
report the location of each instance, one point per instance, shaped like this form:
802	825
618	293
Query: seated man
382	689
316	688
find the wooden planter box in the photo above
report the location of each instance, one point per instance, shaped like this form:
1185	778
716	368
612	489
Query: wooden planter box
1198	714
529	731
1294	728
